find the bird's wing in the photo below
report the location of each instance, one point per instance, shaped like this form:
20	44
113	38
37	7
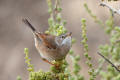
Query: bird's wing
48	40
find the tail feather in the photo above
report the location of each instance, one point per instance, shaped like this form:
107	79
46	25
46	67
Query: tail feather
29	24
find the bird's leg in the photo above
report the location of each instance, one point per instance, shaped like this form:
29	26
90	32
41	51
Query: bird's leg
49	62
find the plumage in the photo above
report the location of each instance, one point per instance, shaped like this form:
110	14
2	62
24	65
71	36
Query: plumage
49	46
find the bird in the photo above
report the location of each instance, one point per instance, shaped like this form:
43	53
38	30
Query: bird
50	47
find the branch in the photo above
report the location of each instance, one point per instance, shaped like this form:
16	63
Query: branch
109	61
111	8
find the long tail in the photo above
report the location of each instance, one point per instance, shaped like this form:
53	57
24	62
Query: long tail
29	24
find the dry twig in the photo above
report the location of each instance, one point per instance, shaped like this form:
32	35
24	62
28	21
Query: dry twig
109	62
111	8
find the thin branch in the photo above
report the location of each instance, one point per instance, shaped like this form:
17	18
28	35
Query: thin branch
56	8
111	8
109	62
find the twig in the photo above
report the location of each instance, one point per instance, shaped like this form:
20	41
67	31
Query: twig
117	41
111	8
109	61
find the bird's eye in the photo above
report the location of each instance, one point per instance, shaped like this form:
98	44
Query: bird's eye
62	36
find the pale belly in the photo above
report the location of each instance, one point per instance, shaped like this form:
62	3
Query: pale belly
51	54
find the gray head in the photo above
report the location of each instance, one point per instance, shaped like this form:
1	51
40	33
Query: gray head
64	40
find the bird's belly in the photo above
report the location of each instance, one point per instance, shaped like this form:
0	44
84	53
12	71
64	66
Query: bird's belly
50	54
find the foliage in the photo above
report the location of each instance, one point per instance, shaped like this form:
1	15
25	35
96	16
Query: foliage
111	50
27	61
84	42
57	27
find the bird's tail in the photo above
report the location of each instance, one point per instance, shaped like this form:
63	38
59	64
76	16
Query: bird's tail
29	24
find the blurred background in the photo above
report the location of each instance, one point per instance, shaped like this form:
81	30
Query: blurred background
15	36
